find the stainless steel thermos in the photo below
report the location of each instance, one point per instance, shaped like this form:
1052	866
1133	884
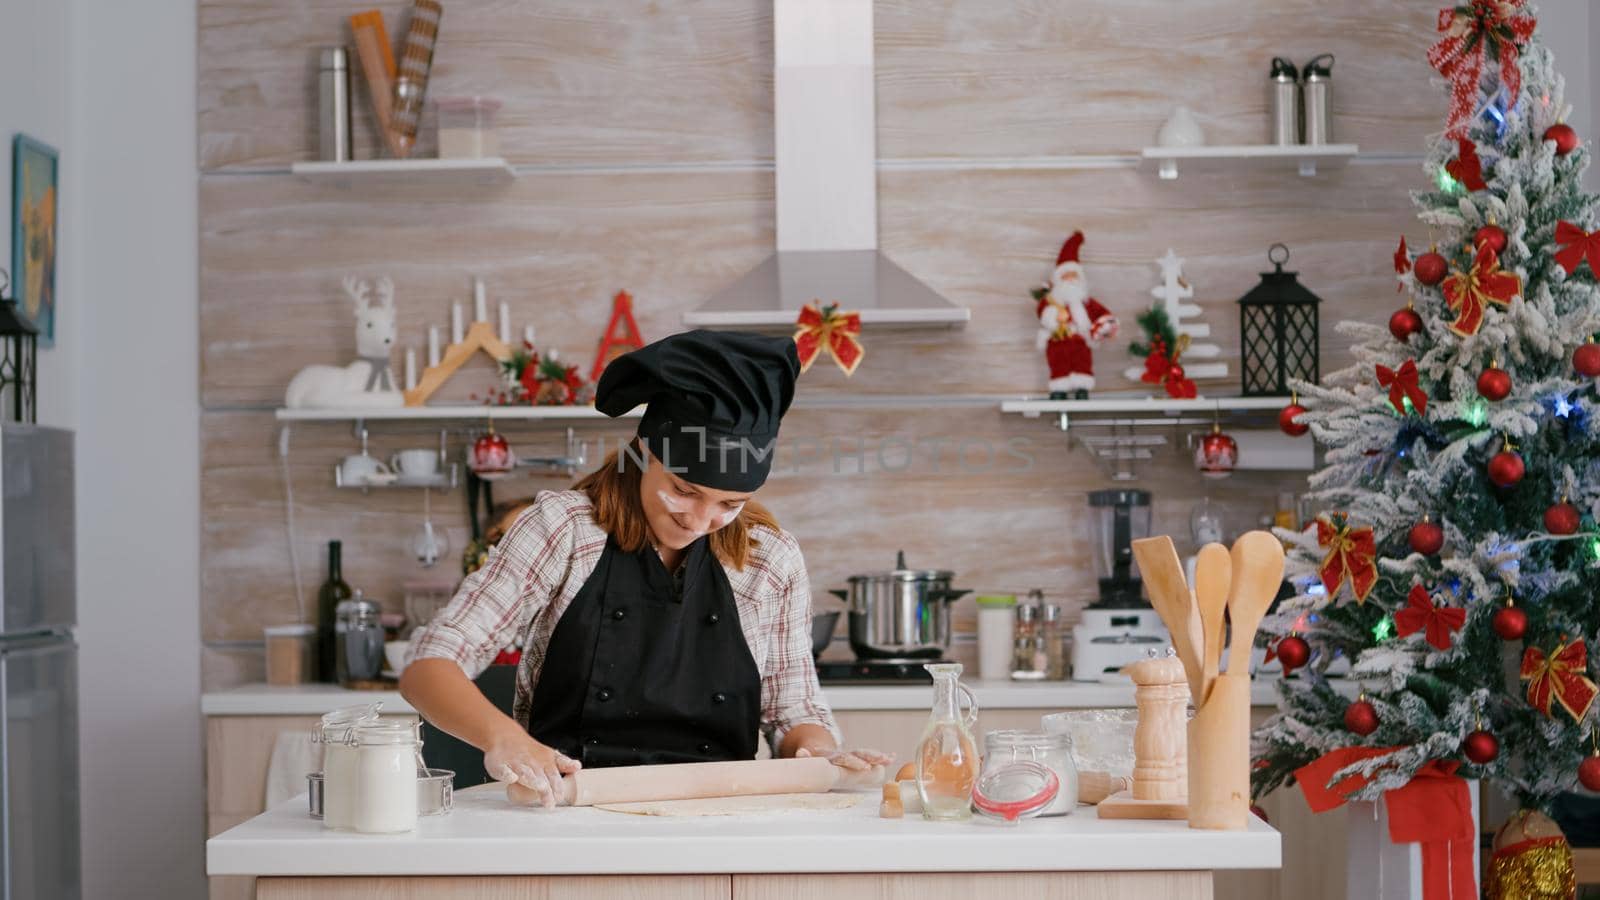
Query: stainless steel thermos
1283	103
1314	88
333	105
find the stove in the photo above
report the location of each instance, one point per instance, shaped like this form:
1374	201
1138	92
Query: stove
875	671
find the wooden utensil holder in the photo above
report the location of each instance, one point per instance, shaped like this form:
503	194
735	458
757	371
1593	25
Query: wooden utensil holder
1219	757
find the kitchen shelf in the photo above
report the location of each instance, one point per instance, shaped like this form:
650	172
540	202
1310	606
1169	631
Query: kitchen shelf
1307	159
1145	406
443	481
491	170
474	413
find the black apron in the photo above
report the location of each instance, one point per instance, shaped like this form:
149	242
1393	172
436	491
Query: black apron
643	670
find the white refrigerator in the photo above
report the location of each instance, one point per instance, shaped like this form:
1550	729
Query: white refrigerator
38	668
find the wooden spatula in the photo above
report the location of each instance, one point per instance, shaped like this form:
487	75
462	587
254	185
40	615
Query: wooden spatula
1162	572
1213	574
1257	559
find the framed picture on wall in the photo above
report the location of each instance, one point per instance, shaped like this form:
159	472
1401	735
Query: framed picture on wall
34	206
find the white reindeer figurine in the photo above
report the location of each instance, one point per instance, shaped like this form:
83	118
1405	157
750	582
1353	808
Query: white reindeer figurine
368	382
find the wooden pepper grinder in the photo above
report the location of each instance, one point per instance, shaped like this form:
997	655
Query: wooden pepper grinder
1160	744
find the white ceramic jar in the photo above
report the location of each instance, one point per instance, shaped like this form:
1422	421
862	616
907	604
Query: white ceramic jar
997	616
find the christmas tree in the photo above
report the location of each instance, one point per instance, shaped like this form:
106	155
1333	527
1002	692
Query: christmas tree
1454	558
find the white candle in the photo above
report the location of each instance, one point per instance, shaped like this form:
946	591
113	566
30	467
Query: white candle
455	323
505	322
480	301
433	346
527	335
552	354
411	368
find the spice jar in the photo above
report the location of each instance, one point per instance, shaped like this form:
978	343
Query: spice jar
291	653
358	640
1029	660
337	737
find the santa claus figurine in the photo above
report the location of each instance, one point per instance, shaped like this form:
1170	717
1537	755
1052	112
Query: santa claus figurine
1069	320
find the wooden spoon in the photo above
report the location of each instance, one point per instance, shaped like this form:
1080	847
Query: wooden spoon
1162	572
1213	575
1257	574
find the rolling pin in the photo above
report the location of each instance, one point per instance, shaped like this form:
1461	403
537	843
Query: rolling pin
688	781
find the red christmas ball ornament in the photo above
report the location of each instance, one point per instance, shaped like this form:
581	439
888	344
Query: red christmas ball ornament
1565	137
1589	772
1561	518
1216	454
1288	425
1293	652
1586	359
1481	747
1361	718
1510	623
1492	235
1494	383
1426	537
1430	268
1506	468
491	456
1404	323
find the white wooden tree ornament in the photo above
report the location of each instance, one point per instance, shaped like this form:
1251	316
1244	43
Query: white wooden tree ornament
1173	290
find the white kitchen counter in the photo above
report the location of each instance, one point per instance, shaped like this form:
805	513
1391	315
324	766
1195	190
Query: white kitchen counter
484	835
316	699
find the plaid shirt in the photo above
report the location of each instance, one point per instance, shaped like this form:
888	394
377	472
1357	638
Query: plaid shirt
549	552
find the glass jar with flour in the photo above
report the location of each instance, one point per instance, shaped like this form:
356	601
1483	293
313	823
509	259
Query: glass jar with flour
388	756
337	737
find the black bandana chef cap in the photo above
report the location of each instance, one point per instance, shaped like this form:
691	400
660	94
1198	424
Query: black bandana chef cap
714	400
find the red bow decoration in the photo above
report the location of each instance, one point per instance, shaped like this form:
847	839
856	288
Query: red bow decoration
1352	553
1161	367
1559	676
1485	282
1577	246
1402	262
1403	386
1467	168
1475	32
827	329
1420	614
1434	809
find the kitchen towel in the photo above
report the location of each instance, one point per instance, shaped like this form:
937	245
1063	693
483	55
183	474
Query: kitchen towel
294	756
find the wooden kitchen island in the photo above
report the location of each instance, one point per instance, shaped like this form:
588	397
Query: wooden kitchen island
487	850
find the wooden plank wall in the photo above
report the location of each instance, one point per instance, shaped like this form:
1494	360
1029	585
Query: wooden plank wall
649	123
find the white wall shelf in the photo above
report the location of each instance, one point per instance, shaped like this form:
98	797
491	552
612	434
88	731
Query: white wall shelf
1306	159
464	413
1149	406
490	170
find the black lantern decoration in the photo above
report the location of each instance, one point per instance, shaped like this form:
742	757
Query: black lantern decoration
19	355
1277	332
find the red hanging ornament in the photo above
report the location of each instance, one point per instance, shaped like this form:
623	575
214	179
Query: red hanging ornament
1404	323
1559	678
1586	359
1510	623
1469	292
824	330
1431	267
1561	518
1361	717
1481	747
1491	236
1494	383
1565	137
1293	652
1506	468
491	455
1287	423
1473	35
1436	622
1403	386
1467	168
1589	772
1426	537
1216	454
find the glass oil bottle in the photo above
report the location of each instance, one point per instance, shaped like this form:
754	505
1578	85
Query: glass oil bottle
947	755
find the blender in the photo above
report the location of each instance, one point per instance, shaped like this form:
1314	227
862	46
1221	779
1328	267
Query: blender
1120	626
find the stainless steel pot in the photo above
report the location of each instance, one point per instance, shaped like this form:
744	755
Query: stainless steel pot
902	614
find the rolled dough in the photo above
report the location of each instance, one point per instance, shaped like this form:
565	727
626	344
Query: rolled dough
735	806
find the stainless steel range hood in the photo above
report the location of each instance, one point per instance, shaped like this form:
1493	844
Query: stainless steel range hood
826	153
